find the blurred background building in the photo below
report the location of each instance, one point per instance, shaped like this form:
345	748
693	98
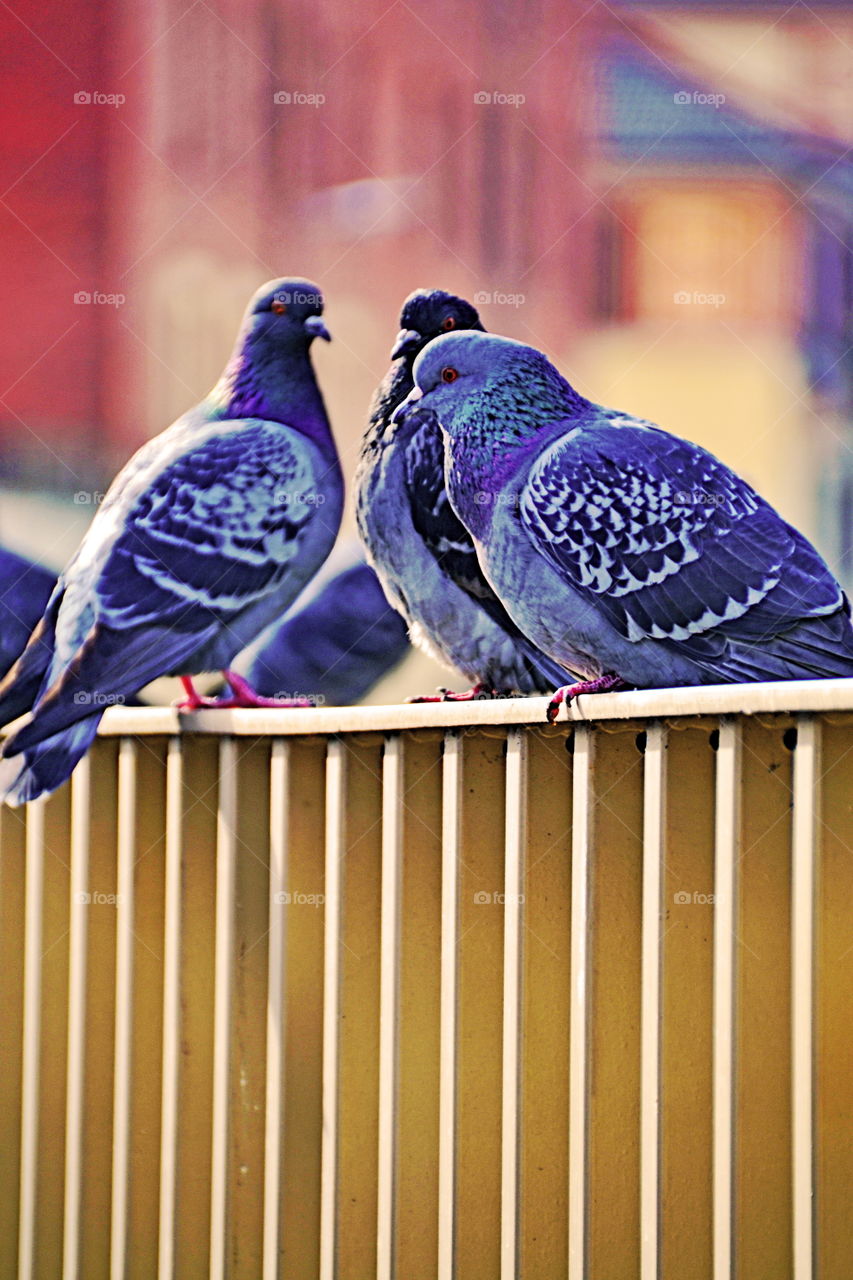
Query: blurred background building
658	196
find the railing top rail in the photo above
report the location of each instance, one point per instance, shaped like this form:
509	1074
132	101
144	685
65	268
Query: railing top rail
642	704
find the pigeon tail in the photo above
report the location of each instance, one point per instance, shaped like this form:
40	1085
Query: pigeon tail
22	683
44	767
25	590
816	648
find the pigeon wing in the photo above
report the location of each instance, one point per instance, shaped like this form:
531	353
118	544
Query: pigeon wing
213	533
669	543
208	536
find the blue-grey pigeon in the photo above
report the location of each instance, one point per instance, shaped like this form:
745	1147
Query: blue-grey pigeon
629	555
421	551
206	535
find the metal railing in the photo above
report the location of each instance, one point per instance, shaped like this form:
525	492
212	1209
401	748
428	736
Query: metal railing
436	991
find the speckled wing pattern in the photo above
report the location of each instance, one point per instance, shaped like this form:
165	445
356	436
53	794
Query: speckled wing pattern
668	542
192	552
194	541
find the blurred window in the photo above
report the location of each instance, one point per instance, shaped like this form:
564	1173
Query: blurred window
692	250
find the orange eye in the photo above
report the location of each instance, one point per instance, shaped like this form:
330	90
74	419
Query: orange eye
448	323
449	375
279	308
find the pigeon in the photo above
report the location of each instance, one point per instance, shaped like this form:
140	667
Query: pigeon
205	537
336	647
422	553
631	556
24	592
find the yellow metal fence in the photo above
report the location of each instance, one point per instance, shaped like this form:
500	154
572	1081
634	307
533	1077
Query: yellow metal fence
436	991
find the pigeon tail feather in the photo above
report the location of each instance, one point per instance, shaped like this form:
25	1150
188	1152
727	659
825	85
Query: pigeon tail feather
44	767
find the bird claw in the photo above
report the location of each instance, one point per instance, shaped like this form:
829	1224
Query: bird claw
567	692
242	696
282	704
194	700
480	692
196	703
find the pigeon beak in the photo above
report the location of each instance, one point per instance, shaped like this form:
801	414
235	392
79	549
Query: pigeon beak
409	405
315	328
407	341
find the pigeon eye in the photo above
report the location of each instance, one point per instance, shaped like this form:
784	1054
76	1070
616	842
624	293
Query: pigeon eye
448	323
449	374
279	308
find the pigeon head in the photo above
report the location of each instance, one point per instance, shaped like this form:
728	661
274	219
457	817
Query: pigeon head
269	374
426	314
507	388
285	313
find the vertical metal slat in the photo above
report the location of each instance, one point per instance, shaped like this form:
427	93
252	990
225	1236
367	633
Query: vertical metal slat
726	848
279	783
33	949
516	821
804	853
171	1012
335	849
226	849
582	804
392	850
451	819
124	1005
76	1071
654	819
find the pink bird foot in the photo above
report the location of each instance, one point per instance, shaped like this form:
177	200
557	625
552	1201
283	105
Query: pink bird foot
479	691
242	695
194	700
568	691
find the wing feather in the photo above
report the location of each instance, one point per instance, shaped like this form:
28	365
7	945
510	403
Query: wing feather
215	531
208	535
669	543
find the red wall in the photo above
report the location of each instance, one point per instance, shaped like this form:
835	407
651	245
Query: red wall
200	158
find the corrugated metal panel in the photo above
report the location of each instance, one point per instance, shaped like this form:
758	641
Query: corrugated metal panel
454	994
